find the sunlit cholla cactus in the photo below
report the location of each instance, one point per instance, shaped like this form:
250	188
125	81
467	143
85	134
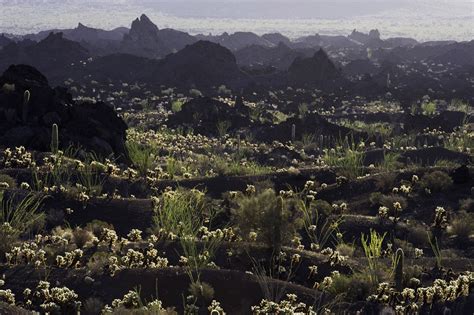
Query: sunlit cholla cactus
6	296
441	291
132	301
17	158
135	235
286	306
441	218
334	257
51	299
215	308
26	253
70	259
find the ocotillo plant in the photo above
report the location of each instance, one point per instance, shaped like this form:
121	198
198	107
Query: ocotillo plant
54	139
399	258
24	111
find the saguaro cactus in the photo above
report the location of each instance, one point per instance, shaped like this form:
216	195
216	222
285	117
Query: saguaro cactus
54	139
293	132
26	100
399	258
277	228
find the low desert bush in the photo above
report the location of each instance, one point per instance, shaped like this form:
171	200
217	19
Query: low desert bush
462	226
436	181
7	181
265	214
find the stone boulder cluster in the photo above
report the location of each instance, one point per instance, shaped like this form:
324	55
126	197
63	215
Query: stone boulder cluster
29	107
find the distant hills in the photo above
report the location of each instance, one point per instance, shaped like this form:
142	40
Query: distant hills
170	57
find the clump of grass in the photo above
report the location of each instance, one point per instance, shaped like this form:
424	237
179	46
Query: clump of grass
142	156
21	214
373	252
348	157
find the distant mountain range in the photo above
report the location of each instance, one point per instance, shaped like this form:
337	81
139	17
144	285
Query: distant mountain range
174	58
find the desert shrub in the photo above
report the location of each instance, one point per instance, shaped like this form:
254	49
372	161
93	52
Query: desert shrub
466	205
462	226
195	93
262	213
97	226
346	249
8	236
355	287
416	235
176	106
81	237
98	263
202	291
436	181
7	181
428	108
323	207
92	306
385	181
379	199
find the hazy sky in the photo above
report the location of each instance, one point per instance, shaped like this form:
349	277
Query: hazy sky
422	19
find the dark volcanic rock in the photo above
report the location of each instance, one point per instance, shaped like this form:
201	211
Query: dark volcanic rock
311	124
429	156
95	127
316	70
53	56
204	114
202	64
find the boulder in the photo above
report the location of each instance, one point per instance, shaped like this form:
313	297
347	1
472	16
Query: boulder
93	126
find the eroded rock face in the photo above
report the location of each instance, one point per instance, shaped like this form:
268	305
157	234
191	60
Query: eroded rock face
93	126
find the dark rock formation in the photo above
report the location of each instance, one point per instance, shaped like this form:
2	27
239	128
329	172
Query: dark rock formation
204	114
312	71
4	40
237	40
143	40
311	124
95	127
280	56
53	56
429	156
203	64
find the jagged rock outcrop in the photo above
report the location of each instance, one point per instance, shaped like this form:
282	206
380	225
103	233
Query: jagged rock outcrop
93	126
143	40
313	71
